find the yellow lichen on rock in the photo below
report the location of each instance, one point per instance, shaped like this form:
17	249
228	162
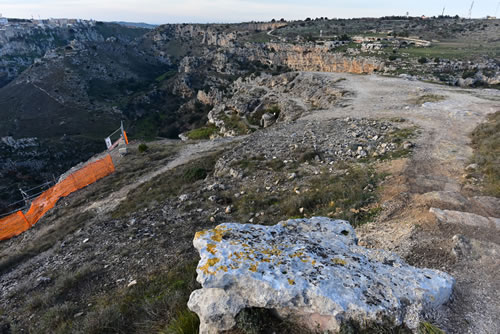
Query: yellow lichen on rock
253	267
210	263
218	233
199	234
339	261
296	254
211	248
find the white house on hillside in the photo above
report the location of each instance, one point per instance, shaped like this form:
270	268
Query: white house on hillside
3	20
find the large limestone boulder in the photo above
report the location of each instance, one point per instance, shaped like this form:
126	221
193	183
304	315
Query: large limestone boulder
310	271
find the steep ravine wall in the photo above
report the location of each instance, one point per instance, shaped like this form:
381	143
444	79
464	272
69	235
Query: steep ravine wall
311	58
305	57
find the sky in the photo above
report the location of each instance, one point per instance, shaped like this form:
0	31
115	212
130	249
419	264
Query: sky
226	11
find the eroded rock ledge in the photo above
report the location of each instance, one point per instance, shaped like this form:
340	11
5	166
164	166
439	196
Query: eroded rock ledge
310	271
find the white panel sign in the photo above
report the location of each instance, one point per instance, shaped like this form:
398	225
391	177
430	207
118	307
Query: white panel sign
108	142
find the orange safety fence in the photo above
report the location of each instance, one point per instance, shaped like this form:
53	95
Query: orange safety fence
19	222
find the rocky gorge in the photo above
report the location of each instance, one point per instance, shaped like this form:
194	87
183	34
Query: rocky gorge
385	161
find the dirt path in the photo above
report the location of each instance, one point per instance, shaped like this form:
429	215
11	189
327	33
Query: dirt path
459	235
188	153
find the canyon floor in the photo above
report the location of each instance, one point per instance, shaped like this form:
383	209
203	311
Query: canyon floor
119	234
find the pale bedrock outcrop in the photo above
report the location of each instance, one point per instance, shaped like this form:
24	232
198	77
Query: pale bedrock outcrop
311	271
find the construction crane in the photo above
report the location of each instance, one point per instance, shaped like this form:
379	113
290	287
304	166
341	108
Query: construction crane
442	14
470	10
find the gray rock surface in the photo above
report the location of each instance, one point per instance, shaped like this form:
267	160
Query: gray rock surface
310	271
465	218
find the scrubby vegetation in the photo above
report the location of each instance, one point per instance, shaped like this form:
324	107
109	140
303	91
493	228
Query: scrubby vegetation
428	98
142	148
235	123
486	144
155	304
173	183
346	195
203	133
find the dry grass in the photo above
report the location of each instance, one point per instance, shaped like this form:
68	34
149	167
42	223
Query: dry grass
342	195
173	183
428	98
156	304
486	144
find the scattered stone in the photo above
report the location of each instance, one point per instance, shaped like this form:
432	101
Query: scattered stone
85	240
450	200
79	314
183	197
407	145
490	205
43	279
228	209
465	218
461	246
471	168
310	271
131	283
123	151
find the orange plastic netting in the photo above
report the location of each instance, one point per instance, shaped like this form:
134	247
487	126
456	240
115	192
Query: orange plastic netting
18	222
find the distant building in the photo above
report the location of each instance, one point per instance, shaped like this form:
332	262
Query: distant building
3	20
491	17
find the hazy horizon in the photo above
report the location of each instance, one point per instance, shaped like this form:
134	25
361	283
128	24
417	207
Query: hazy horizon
231	11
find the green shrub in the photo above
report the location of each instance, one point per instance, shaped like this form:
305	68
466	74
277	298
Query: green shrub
428	98
422	60
185	322
203	133
166	75
235	123
142	148
427	328
195	174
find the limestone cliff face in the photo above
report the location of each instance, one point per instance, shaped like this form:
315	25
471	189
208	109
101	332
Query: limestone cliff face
262	26
209	35
318	58
228	41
